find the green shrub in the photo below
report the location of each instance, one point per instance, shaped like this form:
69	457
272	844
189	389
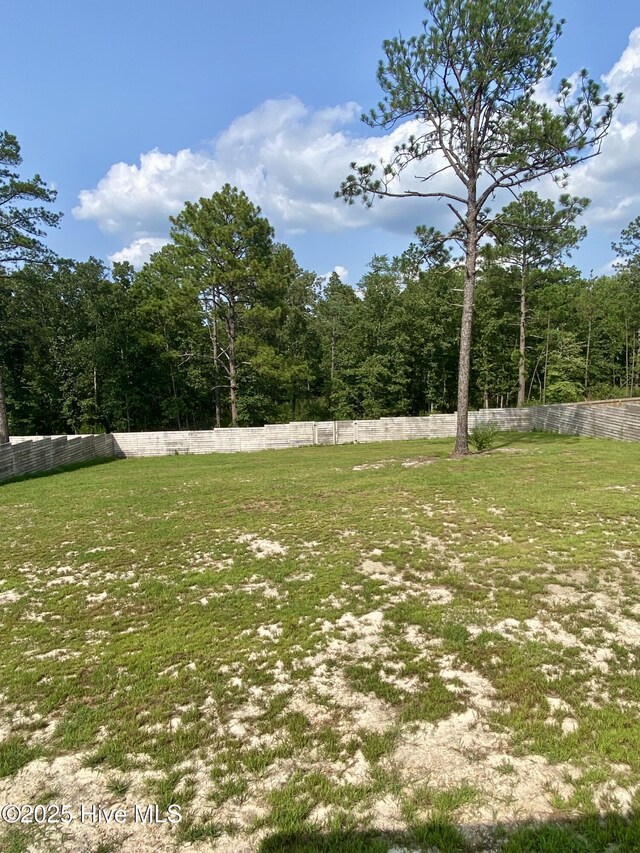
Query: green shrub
483	436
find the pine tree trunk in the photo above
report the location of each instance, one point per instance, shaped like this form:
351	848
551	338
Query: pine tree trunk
522	364
95	398
626	357
4	423
633	366
586	363
464	364
175	395
546	362
233	387
213	334
125	378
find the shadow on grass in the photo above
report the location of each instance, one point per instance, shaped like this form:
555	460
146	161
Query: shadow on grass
509	439
62	469
606	833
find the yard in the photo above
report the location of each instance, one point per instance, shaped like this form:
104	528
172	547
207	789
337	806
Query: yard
360	648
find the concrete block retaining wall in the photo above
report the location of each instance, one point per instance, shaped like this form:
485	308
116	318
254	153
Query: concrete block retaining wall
305	433
27	454
620	421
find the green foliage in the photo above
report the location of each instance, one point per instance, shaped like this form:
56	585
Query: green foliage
533	234
253	347
91	349
469	78
483	436
224	248
223	327
88	349
628	248
21	228
21	225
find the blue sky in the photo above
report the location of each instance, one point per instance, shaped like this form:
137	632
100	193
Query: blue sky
131	108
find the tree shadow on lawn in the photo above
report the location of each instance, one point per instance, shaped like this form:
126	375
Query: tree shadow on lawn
538	437
597	833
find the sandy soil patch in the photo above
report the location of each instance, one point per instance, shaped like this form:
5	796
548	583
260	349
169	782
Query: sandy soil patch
419	462
77	786
10	596
262	547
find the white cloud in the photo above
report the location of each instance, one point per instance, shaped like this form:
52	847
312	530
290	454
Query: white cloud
342	273
290	159
609	268
139	251
612	179
287	158
625	74
133	198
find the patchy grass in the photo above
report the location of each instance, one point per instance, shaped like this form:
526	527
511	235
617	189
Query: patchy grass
342	648
14	754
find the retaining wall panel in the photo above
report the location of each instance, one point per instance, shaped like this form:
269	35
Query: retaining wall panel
631	429
345	432
297	434
23	457
239	439
7	461
325	432
38	461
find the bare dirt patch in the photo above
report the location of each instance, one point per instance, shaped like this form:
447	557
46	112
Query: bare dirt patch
262	547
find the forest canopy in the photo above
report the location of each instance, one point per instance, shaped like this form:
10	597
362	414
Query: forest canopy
88	348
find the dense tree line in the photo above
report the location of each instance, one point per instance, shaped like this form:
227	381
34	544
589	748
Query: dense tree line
222	326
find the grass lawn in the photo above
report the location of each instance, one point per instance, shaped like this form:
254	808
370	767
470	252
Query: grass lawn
360	648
